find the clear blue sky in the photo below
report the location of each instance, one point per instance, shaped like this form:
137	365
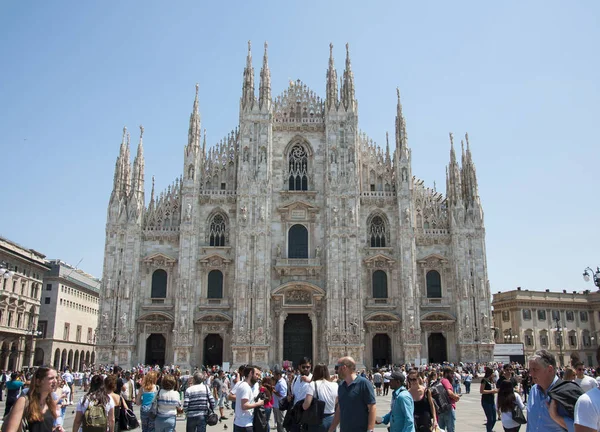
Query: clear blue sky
522	78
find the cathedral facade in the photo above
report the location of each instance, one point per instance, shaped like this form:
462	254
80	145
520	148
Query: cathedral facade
295	235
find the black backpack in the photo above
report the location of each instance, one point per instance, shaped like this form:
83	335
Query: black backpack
440	397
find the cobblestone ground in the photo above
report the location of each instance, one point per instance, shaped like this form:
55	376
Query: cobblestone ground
469	415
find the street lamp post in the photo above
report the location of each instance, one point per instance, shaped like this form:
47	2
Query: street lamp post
33	332
510	337
595	274
559	331
4	271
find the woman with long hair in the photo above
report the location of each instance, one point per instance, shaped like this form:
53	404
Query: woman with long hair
110	385
267	388
145	397
507	399
37	408
488	390
97	395
424	409
327	391
61	396
168	403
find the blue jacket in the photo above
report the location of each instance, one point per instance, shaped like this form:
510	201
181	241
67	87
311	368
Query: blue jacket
402	415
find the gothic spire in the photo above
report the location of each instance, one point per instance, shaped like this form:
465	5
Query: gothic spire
387	148
194	129
265	82
127	168
248	86
454	191
332	89
401	139
138	167
469	176
348	83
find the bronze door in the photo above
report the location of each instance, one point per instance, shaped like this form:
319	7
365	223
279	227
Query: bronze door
297	338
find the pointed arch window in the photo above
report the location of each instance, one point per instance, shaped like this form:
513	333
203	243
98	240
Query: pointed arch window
434	284
215	285
159	284
377	232
298	169
380	289
218	234
298	242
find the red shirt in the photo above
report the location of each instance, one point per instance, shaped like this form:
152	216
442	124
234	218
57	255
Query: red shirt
448	386
268	403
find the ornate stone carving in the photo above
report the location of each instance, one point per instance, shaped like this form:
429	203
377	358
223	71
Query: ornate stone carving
297	297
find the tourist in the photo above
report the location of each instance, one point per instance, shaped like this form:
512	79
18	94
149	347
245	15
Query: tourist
508	374
96	395
68	377
128	390
245	396
326	391
401	416
38	406
197	404
266	388
13	388
447	419
299	389
110	385
488	390
168	404
279	393
507	399
61	396
145	398
377	381
356	410
585	382
468	379
424	408
217	388
386	382
542	369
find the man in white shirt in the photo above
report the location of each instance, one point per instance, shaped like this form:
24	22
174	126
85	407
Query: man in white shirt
280	393
585	382
244	407
386	382
68	377
587	412
128	389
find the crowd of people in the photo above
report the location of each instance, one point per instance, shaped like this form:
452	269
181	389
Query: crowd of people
306	398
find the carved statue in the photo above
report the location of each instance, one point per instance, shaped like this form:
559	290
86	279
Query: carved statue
244	211
104	320
188	212
182	323
123	320
335	217
261	213
318	252
407	214
404	174
278	251
351	214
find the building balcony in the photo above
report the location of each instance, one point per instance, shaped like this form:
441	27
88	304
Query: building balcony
214	303
161	304
435	303
298	266
380	303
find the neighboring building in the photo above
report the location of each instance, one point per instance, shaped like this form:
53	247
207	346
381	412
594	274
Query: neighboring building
68	317
563	323
21	274
295	236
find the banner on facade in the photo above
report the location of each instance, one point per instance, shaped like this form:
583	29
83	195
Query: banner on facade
508	349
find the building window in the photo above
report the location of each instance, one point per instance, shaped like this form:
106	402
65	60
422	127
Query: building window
544	338
379	280
505	316
298	242
159	284
570	316
66	331
583	316
90	336
434	284
377	232
10	319
572	339
587	340
215	284
527	314
78	334
218	235
528	340
223	186
298	169
555	315
557	339
42	327
47	300
541	313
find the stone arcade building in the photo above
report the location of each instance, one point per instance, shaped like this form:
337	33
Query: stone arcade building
294	235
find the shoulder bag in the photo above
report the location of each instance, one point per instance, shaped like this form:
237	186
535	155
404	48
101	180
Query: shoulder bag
517	415
154	407
127	419
211	418
313	416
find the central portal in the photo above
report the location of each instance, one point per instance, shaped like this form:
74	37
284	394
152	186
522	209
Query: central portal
213	350
297	338
436	345
156	346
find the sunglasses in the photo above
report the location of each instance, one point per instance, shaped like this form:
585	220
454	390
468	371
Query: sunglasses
305	367
337	366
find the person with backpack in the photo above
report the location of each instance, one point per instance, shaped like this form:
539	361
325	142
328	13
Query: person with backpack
488	390
145	398
401	416
96	410
447	414
37	409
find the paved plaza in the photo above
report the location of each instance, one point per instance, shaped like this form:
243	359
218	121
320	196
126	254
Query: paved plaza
469	414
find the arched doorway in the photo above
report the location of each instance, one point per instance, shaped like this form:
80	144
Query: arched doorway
382	350
87	358
213	350
38	357
156	345
57	359
436	346
76	361
63	360
4	354
297	338
12	358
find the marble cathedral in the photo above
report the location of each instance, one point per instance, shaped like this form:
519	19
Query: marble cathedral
295	235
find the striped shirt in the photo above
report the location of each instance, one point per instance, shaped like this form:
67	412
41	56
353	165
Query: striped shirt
168	401
197	400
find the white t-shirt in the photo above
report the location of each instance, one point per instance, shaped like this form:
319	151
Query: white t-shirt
66	392
506	417
84	402
587	383
300	388
243	418
234	388
587	410
327	391
386	377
